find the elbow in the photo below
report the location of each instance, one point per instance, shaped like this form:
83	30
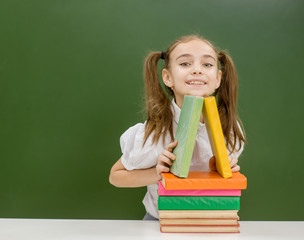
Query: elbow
114	180
117	174
110	180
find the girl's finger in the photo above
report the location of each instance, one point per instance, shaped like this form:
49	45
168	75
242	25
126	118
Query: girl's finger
169	155
171	146
233	162
235	169
160	169
162	160
166	169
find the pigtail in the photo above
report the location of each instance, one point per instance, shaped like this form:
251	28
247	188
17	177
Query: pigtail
227	103
158	106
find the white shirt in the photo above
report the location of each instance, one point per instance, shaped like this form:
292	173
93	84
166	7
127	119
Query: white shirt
134	156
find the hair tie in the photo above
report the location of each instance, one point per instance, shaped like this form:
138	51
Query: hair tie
163	55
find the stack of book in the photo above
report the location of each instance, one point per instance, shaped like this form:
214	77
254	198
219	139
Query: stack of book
203	202
200	201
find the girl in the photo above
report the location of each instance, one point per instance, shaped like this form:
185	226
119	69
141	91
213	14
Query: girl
192	66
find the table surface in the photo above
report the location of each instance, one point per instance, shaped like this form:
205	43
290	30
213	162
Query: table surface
13	229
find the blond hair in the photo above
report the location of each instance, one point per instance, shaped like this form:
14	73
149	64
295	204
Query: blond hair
158	105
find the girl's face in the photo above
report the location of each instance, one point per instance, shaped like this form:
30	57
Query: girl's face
193	70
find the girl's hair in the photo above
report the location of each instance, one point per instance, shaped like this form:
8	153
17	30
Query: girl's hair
158	101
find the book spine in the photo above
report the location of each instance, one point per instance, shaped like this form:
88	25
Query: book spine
198	214
199	229
198	203
198	221
237	181
198	192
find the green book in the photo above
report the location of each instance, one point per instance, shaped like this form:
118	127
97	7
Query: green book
198	203
186	134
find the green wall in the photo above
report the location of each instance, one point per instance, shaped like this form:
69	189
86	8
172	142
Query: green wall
71	84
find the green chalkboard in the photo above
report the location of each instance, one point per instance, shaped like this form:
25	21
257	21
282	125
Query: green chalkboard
71	82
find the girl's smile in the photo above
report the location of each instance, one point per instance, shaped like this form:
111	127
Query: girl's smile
196	82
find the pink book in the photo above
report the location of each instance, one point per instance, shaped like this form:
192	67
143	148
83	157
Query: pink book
200	192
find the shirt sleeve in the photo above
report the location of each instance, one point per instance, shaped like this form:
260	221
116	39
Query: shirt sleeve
134	154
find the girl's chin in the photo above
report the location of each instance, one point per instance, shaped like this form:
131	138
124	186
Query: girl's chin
199	94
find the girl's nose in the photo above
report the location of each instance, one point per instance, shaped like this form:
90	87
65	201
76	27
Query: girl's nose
197	70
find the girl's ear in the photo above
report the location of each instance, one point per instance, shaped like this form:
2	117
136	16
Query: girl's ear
167	79
218	78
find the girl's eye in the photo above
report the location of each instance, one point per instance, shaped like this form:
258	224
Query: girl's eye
185	64
207	64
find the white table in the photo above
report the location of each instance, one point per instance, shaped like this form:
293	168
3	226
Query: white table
41	229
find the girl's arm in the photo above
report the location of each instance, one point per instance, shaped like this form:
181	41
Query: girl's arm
121	177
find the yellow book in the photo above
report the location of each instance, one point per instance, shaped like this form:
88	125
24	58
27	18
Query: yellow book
216	137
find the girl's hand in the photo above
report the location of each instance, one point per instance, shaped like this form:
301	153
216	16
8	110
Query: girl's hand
233	165
164	160
232	161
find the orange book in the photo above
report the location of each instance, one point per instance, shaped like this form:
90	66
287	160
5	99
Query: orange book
204	180
216	137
